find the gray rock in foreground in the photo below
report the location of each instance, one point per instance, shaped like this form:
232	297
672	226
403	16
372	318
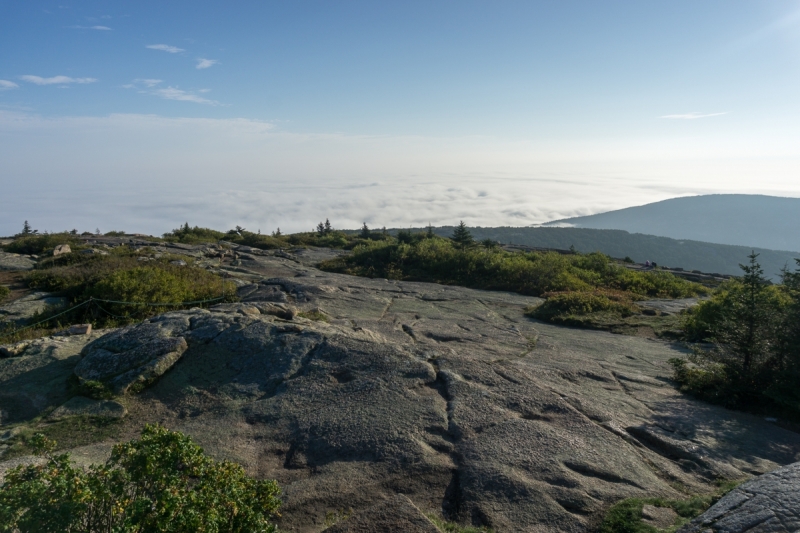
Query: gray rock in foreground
766	504
449	396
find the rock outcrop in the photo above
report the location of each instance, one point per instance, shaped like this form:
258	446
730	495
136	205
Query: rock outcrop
448	396
766	504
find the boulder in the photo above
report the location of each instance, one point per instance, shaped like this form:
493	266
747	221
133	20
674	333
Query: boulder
61	249
130	358
767	504
79	329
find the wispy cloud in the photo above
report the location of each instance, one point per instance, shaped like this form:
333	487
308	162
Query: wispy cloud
165	48
173	93
693	115
5	84
55	80
205	63
102	28
147	82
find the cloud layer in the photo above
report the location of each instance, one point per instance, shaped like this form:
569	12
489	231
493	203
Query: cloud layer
149	173
5	84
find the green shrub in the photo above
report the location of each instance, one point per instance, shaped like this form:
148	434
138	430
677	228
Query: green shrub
438	260
121	277
4	292
626	516
160	482
753	362
36	244
560	307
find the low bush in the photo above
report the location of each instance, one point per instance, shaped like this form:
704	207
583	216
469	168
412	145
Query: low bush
37	244
438	260
4	292
161	482
564	307
121	277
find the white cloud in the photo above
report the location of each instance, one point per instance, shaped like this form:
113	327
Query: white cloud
205	63
173	93
693	116
102	28
165	48
55	80
147	82
5	84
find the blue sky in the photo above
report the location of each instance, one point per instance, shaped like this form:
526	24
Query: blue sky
144	114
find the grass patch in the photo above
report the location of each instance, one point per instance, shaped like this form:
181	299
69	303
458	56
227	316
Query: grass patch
452	527
69	433
314	314
626	516
4	292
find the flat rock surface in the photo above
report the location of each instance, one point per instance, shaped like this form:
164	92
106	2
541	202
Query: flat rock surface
9	261
449	396
81	406
766	504
19	311
396	514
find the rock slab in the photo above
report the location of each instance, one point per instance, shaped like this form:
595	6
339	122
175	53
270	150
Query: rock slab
396	514
767	504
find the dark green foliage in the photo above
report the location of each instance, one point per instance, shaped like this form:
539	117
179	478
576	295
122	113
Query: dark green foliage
114	234
754	359
27	230
365	233
564	307
443	261
161	482
461	236
37	244
188	235
121	277
4	292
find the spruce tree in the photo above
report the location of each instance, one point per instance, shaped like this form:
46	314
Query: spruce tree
461	236
320	229
365	231
328	228
26	228
429	234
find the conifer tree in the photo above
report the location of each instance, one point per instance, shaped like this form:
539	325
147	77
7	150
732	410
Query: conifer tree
320	229
365	231
26	228
328	228
429	234
461	236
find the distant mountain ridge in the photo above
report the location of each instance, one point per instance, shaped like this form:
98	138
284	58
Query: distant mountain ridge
751	220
